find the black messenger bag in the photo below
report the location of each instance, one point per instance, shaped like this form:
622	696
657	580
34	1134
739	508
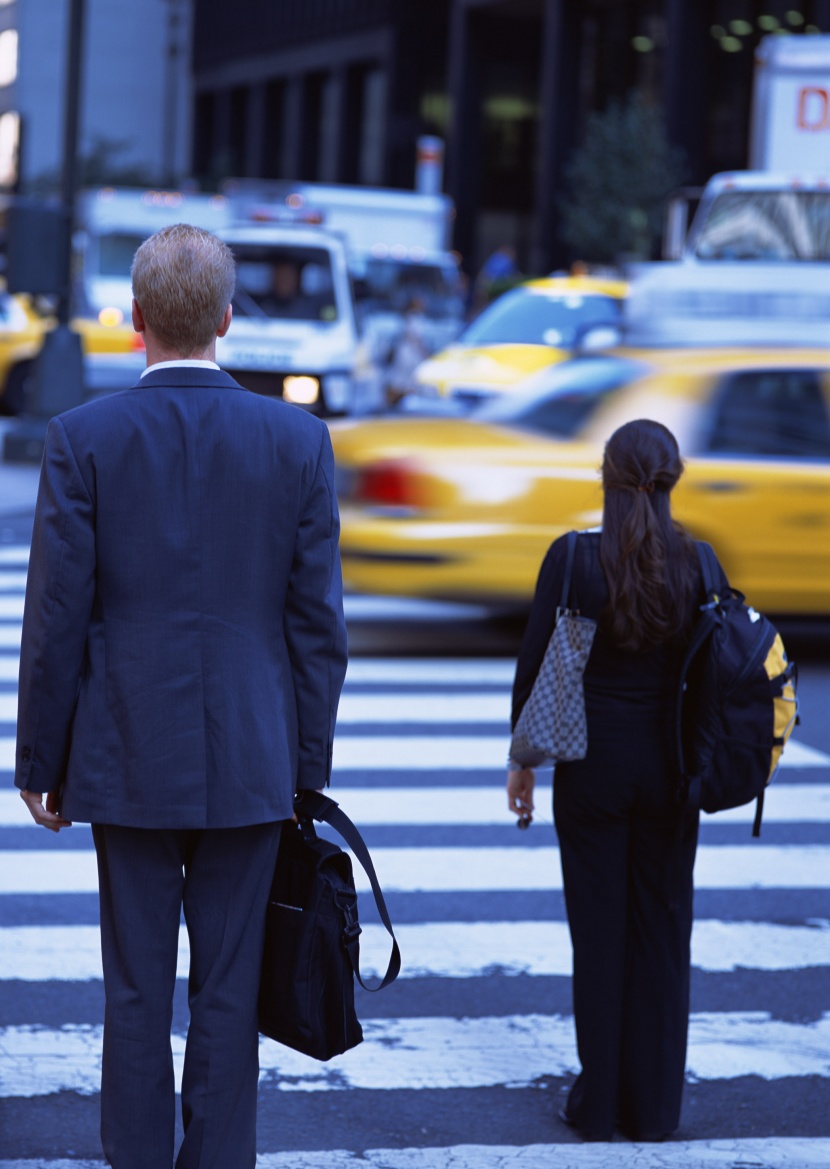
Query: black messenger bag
312	949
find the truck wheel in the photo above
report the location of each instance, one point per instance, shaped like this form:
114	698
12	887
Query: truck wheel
15	395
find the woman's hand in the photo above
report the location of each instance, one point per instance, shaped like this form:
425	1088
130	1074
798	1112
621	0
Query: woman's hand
520	785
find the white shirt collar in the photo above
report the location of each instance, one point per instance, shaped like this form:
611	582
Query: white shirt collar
186	362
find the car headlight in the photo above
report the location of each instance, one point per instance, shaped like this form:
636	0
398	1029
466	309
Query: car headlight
301	389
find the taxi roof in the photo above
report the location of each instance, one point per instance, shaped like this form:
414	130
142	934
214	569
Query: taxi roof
583	285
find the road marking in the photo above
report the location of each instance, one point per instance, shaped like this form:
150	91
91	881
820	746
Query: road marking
390	709
785	803
425	708
469	753
449	671
12	582
754	1153
436	1053
10	636
464	870
441	752
14	555
379	608
72	953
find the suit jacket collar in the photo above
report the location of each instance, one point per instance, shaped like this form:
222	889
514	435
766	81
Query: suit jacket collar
188	375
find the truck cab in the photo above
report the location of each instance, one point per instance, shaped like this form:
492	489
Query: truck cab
754	269
294	333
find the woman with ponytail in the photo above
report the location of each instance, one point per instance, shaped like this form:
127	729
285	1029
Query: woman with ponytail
626	846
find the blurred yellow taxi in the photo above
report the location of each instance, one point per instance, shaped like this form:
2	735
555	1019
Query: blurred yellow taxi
465	507
22	330
535	325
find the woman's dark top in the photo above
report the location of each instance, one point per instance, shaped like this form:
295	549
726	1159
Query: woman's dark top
628	694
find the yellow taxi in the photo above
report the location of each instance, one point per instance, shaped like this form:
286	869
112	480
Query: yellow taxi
22	330
465	507
535	325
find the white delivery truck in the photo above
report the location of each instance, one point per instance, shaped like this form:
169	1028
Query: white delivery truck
790	126
789	137
399	250
294	333
754	268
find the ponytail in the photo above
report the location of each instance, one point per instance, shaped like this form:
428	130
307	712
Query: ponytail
647	559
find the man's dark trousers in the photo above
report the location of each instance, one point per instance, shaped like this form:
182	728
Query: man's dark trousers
221	877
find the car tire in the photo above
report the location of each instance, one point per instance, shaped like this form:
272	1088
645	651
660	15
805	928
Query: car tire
14	398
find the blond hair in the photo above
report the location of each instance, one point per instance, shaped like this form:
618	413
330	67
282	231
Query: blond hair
183	280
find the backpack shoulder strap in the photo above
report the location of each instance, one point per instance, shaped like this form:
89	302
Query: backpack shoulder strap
704	626
326	810
709	567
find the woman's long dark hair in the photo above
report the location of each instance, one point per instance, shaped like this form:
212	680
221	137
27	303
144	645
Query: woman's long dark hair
648	560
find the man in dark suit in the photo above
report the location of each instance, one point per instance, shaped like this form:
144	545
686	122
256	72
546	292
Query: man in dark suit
182	658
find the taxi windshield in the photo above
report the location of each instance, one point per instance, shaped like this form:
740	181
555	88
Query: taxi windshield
524	317
767	225
284	283
559	401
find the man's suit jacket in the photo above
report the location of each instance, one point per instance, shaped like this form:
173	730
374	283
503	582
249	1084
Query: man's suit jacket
183	637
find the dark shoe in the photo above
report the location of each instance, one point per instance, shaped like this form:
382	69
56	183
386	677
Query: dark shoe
586	1136
645	1137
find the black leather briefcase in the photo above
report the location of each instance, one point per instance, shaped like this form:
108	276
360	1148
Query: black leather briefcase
312	948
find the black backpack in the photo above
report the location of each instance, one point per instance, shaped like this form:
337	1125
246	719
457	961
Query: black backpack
736	703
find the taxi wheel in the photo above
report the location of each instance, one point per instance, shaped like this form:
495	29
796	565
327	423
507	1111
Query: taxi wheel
16	391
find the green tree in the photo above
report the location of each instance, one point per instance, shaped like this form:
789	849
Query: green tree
618	180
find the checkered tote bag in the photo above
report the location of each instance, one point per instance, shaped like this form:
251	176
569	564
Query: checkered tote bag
552	726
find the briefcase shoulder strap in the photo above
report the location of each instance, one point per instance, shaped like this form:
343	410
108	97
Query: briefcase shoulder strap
324	809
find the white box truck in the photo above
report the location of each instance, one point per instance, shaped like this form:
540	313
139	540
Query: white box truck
399	249
790	126
754	268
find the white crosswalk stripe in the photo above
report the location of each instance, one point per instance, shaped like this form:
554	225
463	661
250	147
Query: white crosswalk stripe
446	949
406	728
775	1153
437	1054
791	803
470	870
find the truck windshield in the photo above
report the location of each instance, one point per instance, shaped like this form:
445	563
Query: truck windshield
397	286
766	225
116	251
284	283
522	317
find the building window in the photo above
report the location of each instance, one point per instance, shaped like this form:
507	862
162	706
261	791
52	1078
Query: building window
8	56
9	148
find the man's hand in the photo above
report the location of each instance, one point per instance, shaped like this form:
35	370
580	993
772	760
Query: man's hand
320	791
47	817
